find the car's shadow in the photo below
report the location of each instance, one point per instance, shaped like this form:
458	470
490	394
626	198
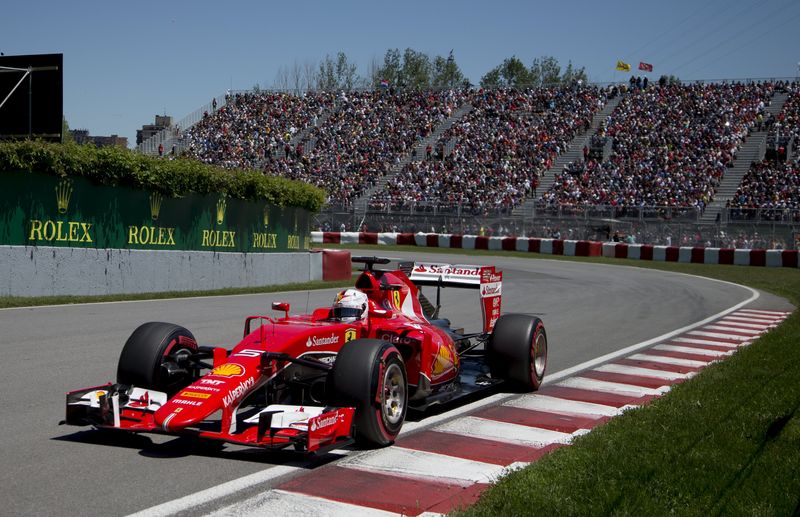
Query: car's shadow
169	447
185	446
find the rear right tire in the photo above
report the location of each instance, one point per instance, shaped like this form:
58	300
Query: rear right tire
517	351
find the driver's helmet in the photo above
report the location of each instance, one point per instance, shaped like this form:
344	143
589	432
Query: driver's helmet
350	305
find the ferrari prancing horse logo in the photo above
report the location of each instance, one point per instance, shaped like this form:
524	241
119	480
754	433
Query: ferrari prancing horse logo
396	298
350	334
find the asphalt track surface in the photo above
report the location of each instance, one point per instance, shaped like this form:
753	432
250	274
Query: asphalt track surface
589	310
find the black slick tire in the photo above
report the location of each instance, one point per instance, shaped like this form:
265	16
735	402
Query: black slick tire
149	348
517	351
369	374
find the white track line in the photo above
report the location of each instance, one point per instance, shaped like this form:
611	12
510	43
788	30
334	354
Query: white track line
216	492
691	363
549	404
718	335
504	432
584	383
691	350
769	313
640	372
425	465
740	324
751	332
697	341
751	319
289	504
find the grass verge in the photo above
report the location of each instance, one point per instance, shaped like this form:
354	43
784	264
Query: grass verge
725	442
20	301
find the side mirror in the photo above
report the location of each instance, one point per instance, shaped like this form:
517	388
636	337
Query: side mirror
281	306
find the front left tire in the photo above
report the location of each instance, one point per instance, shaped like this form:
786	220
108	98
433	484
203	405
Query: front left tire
370	375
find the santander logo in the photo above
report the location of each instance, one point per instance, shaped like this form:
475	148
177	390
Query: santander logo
333	339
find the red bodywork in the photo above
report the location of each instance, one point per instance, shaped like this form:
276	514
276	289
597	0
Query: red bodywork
209	407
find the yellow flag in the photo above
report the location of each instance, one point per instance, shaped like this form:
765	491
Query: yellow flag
623	66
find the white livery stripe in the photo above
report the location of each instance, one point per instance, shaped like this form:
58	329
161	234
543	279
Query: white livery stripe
611	387
504	432
562	406
423	464
691	350
727	328
670	360
719	335
281	502
641	372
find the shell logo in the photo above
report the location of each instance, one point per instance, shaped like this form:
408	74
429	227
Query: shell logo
443	361
228	370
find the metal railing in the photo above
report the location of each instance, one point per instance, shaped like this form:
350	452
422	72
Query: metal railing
644	225
172	135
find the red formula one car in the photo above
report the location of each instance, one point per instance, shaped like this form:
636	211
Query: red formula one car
317	381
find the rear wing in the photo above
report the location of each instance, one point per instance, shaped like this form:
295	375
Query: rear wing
484	278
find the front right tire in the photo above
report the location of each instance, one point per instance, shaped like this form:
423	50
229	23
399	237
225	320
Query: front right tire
149	357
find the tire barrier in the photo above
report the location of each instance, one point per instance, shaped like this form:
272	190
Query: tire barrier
571	248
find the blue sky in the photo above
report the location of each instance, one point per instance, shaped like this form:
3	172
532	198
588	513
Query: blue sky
126	62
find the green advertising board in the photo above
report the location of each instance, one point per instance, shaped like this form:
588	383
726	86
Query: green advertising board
42	210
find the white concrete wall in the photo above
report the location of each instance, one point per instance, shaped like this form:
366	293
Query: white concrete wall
51	271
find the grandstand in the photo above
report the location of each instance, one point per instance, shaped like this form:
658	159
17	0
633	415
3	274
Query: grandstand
664	163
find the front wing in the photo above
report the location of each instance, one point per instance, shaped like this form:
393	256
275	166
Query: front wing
305	428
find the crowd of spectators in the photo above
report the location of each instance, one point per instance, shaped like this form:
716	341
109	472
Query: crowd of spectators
251	127
672	144
364	135
771	188
491	159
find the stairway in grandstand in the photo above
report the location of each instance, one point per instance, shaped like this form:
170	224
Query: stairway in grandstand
304	136
360	204
573	153
751	151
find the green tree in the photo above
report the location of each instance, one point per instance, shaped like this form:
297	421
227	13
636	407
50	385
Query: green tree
551	71
510	73
446	73
391	69
416	71
336	75
66	136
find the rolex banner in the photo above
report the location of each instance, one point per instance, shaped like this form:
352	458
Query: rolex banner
42	210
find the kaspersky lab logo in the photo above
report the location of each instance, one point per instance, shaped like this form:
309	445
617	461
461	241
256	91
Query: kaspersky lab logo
63	195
